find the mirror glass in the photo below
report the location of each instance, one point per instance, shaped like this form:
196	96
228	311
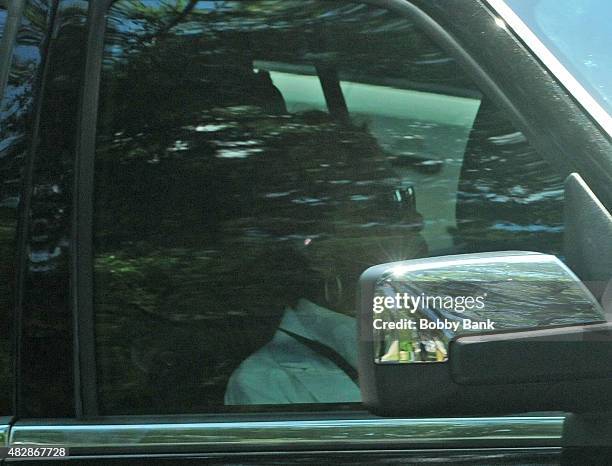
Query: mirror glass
418	306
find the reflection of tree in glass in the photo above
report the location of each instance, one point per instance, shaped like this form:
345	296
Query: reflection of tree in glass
17	110
215	208
514	295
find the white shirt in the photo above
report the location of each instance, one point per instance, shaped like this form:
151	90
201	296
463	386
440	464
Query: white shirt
287	371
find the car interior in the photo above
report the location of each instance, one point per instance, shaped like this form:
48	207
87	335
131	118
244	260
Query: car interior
289	176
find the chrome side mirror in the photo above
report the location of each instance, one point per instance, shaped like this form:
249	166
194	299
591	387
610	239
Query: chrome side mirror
419	317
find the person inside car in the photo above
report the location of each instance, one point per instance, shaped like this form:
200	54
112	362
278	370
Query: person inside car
352	225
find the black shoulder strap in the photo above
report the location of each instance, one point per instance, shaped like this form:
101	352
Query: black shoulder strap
326	352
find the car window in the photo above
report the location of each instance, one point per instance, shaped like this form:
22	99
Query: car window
252	160
16	111
47	335
8	226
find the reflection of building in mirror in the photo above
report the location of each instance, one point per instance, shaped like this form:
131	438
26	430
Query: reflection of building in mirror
406	351
410	344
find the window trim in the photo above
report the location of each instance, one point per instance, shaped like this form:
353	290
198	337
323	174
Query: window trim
85	368
323	432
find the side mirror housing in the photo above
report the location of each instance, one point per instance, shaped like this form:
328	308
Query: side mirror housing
487	333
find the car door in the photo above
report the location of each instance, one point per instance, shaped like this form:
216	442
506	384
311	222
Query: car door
207	182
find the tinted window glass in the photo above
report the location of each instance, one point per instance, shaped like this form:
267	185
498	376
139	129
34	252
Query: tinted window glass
242	187
47	337
16	110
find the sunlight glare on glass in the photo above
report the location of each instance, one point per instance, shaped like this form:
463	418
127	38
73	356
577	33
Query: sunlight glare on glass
399	270
500	22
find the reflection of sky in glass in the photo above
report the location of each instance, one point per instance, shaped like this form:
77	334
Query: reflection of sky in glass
16	92
578	32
